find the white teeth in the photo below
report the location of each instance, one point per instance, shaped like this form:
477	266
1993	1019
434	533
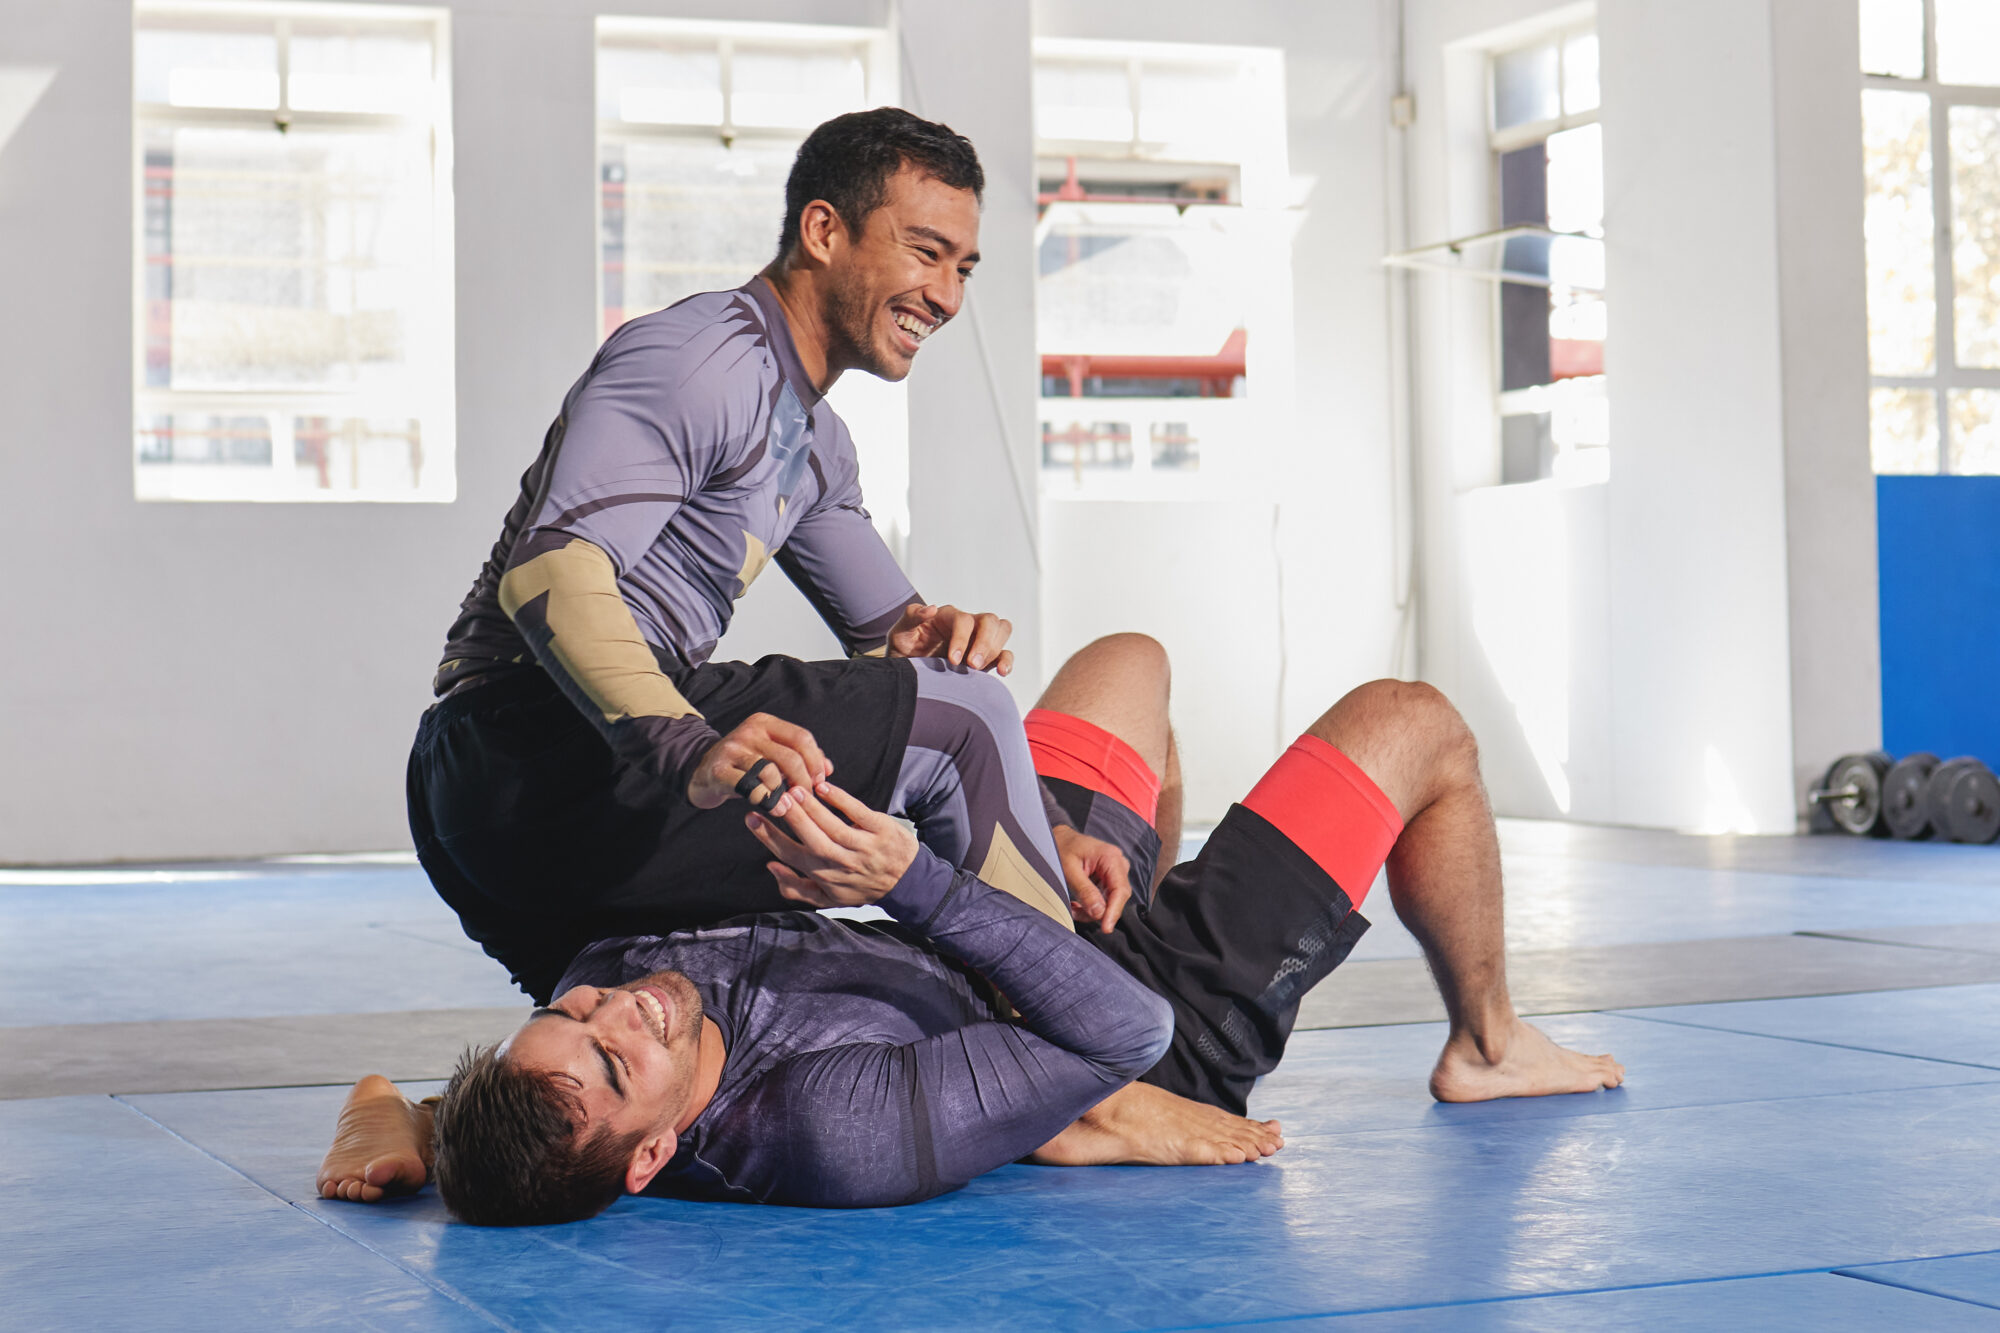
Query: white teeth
656	1014
913	326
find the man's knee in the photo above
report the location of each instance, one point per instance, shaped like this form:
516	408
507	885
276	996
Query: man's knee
1128	664
1405	733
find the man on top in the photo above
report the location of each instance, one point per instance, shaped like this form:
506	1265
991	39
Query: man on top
792	1058
566	786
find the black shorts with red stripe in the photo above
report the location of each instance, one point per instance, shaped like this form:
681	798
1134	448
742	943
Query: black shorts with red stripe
1235	938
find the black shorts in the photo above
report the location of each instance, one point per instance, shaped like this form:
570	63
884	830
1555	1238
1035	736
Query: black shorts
1236	937
542	846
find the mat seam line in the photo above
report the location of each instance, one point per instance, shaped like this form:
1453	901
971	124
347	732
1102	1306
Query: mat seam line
1899	944
1808	1041
1547	1295
450	1295
1919	1291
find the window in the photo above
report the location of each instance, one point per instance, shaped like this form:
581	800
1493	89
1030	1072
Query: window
1548	157
697	125
1160	244
293	321
1930	123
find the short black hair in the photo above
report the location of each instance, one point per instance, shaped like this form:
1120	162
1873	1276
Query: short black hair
511	1151
848	162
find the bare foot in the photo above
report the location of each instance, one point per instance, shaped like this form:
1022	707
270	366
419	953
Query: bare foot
1524	1063
1143	1125
381	1145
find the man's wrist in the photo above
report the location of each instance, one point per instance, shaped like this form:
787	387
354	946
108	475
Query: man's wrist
923	888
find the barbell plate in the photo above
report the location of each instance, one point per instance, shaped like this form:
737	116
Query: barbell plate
1903	806
1860	812
1972	805
1937	799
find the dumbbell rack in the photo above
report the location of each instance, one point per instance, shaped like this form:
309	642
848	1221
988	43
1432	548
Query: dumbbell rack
1916	797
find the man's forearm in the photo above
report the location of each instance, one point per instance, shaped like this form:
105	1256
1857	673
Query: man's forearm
567	604
1067	992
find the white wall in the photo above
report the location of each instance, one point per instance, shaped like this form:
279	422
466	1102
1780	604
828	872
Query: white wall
230	679
1276	601
1713	641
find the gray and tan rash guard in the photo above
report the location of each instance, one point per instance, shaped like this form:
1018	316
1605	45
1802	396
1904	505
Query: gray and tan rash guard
693	450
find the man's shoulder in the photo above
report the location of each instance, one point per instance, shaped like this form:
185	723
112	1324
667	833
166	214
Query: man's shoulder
722	335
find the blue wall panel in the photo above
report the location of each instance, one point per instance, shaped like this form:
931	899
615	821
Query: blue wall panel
1940	576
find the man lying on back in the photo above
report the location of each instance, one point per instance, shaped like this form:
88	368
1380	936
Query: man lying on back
800	1059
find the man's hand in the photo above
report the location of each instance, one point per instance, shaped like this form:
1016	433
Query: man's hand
1100	878
826	861
956	636
795	764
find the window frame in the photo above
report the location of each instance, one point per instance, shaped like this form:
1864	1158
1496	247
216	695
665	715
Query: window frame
1534	400
1947	374
871	44
1251	182
434	408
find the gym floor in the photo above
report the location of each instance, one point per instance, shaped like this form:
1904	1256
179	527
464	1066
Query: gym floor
1811	1028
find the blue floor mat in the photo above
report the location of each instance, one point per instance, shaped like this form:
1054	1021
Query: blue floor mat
1801	1302
1959	1023
1345	1080
111	1222
1968	1277
380	941
1349	1222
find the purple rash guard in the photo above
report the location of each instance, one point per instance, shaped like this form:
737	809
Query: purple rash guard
693	449
865	1068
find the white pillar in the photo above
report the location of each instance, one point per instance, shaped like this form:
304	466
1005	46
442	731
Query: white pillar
973	422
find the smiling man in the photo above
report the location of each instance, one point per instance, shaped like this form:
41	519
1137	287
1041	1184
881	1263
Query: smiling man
568	784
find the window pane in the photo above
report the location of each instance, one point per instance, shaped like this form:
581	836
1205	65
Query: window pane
794	90
1902	430
1902	291
1194	104
1138	280
653	85
293	261
206	67
1975	234
385	73
1580	73
1074	100
1975	431
1968	41
1892	38
1524	87
1576	180
682	217
354	454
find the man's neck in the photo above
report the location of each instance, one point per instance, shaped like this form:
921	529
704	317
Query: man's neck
708	1062
798	297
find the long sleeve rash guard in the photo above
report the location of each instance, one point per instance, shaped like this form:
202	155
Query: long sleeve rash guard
865	1063
693	451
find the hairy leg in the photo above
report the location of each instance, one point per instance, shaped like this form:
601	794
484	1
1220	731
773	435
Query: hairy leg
1444	878
381	1145
1141	1125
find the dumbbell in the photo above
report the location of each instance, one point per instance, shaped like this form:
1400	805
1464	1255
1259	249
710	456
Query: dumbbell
1905	807
1850	795
1962	800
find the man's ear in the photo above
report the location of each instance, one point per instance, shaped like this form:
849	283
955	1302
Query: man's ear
652	1154
820	229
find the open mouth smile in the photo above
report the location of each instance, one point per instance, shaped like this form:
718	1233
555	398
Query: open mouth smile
654	1006
914	327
